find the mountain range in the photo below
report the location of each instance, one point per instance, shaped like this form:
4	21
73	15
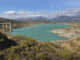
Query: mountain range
70	15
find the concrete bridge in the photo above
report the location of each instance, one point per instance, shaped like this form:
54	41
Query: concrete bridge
7	27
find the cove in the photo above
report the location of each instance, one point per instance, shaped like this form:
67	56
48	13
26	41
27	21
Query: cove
41	32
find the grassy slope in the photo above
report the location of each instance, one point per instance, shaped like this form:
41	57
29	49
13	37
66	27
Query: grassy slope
25	48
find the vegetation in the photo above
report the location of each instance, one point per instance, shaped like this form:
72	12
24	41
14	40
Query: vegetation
24	48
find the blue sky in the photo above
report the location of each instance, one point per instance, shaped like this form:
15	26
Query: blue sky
37	5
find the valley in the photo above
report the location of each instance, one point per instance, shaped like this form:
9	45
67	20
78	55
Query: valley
39	29
24	47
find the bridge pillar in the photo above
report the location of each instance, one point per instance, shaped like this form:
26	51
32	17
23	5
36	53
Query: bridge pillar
6	27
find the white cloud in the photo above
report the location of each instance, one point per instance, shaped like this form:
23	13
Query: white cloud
29	14
20	14
10	12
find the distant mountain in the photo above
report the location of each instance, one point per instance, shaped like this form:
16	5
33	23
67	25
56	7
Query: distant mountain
33	18
62	18
67	19
5	20
57	19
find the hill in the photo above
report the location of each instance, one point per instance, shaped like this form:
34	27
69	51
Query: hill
67	19
5	20
30	49
23	23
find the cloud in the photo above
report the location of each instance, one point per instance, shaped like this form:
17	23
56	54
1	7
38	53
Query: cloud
21	14
31	14
10	12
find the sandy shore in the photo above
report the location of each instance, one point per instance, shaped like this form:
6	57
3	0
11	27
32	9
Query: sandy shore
70	32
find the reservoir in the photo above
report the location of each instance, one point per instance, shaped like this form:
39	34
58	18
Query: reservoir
41	32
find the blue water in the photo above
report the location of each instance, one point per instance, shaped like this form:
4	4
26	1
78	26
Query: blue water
41	32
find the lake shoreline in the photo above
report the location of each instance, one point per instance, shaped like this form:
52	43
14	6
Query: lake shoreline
41	32
70	32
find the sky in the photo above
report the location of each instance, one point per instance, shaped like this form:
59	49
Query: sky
37	5
35	8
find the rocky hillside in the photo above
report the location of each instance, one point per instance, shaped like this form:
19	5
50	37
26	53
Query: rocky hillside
4	20
24	48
